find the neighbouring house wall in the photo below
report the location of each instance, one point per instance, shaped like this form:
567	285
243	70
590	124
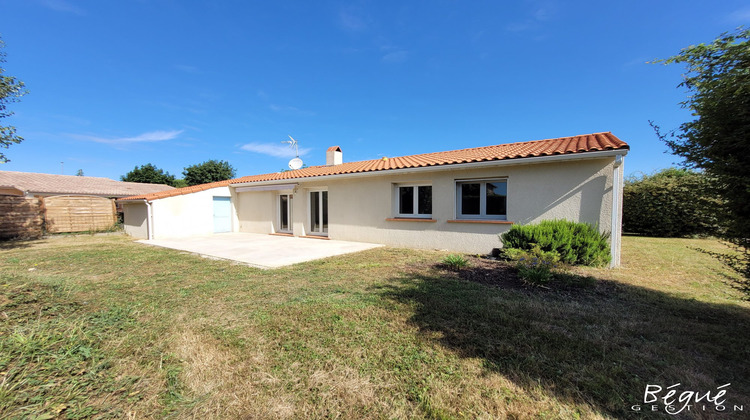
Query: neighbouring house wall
8	190
359	206
135	219
189	214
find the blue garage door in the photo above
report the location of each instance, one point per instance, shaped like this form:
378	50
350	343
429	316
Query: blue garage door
222	214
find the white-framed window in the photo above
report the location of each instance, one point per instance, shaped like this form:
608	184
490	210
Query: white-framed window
482	199
413	200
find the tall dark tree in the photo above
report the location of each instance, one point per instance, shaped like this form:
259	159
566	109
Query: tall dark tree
717	140
208	171
149	174
11	90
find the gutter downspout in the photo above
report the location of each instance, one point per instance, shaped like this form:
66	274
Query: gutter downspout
615	232
149	219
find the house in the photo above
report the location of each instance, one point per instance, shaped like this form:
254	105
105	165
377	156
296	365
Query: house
32	203
44	185
457	200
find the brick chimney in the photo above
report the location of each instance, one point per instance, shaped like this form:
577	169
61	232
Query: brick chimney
334	156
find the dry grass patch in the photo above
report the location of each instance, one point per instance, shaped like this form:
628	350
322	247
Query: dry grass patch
384	333
674	265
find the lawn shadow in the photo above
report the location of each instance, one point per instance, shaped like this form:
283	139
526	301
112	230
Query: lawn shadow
9	244
600	344
737	264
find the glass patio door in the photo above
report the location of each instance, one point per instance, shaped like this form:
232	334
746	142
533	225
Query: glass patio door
319	213
285	213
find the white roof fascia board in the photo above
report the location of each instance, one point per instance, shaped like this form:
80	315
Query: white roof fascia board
272	187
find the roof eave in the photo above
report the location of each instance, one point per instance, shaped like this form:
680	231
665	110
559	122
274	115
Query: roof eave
531	160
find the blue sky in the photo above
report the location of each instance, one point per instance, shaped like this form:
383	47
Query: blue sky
115	84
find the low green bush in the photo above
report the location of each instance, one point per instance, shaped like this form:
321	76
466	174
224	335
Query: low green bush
535	271
455	262
540	268
517	254
534	266
571	242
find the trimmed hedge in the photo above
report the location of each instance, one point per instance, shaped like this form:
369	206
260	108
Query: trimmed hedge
575	243
670	203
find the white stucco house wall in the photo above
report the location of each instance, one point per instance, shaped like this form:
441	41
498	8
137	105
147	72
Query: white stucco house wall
458	200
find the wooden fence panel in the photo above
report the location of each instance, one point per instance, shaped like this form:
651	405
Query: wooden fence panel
79	213
20	217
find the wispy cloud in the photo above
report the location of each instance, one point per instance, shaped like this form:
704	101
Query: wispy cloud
519	26
187	69
636	61
545	10
149	137
285	109
741	16
63	6
396	56
541	11
276	150
392	53
351	20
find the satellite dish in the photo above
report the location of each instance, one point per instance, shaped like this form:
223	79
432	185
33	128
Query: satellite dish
295	163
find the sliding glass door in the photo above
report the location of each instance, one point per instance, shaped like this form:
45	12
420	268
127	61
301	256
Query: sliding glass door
319	213
285	213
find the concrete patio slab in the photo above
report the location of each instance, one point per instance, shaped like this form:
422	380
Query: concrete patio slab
262	251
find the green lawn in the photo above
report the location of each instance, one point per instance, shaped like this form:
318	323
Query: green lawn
100	326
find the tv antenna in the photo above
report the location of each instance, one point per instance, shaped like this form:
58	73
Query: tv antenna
295	163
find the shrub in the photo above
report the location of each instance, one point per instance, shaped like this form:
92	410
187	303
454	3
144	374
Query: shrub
537	272
571	242
455	262
670	203
534	266
517	254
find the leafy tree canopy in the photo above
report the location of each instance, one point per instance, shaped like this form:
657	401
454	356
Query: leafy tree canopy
149	174
718	139
208	171
180	183
11	90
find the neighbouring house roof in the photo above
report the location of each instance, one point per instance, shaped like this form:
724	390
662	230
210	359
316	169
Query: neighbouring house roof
49	184
560	146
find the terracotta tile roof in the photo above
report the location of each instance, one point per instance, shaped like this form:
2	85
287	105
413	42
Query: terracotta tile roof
334	149
180	191
35	183
565	145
